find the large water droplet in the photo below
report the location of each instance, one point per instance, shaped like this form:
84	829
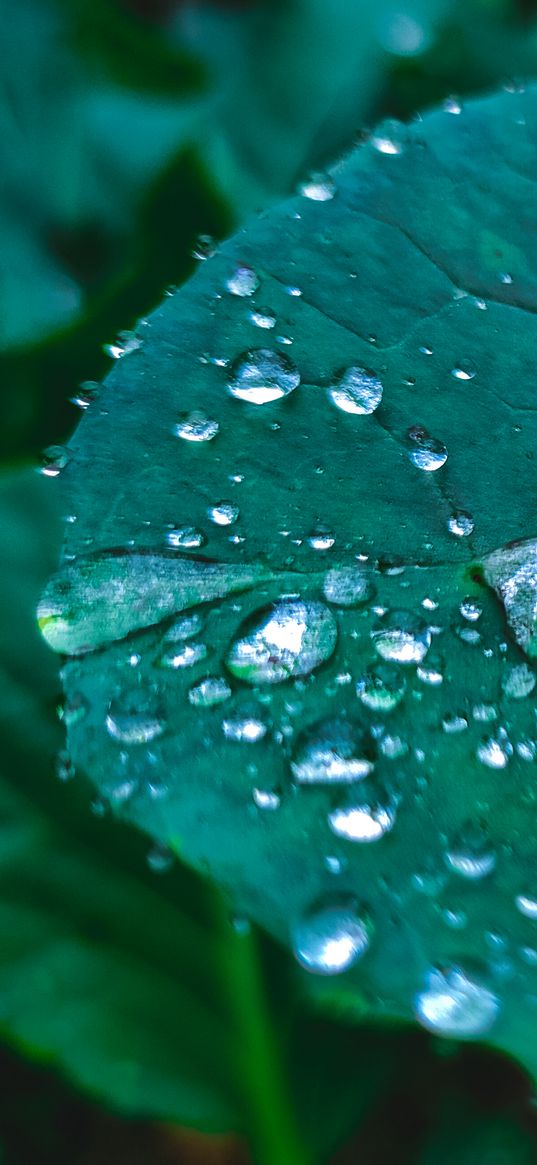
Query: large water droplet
196	427
291	638
461	524
135	716
333	751
402	637
512	572
261	375
331	937
454	1003
357	391
348	586
518	682
382	688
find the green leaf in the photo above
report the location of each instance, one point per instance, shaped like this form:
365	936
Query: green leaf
345	770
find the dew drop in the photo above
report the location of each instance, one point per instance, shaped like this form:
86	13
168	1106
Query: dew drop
465	370
196	427
454	722
348	586
471	609
182	656
209	691
364	822
461	524
495	751
330	937
261	376
266	798
402	637
204	248
245	728
243	282
291	638
452	105
318	187
454	1003
427	453
126	343
186	627
321	539
87	394
185	538
382	688
135	716
160	859
333	751
223	513
262	318
357	391
431	672
385	144
470	854
64	768
53	460
527	905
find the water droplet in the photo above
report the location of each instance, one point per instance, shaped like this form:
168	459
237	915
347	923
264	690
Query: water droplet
63	766
431	672
471	609
385	144
243	282
348	586
135	716
330	937
318	187
204	248
485	713
402	637
209	691
74	710
357	391
452	105
126	343
393	747
512	572
427	453
454	722
454	1003
195	426
527	905
465	370
53	460
518	682
333	751
223	513
291	638
461	524
470	854
184	655
321	539
185	538
262	318
184	628
87	394
160	859
495	751
468	635
266	798
261	376
244	727
364	822
382	688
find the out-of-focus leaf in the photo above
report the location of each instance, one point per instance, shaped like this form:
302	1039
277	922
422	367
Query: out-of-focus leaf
420	278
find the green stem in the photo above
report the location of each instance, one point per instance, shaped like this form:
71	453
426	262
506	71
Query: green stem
261	1071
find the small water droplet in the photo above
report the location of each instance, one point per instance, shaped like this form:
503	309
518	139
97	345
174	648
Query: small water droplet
135	716
160	859
291	638
209	691
357	391
527	905
386	144
185	538
470	854
348	586
318	187
495	751
402	637
452	105
196	427
87	394
261	376
182	656
243	282
204	248
363	822
266	798
461	524
126	343
382	688
432	671
245	727
262	318
223	513
54	459
321	539
464	370
333	751
427	453
455	1003
330	937
471	609
73	710
63	766
186	627
454	722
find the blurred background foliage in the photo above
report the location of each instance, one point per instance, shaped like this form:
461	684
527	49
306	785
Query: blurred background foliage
130	131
